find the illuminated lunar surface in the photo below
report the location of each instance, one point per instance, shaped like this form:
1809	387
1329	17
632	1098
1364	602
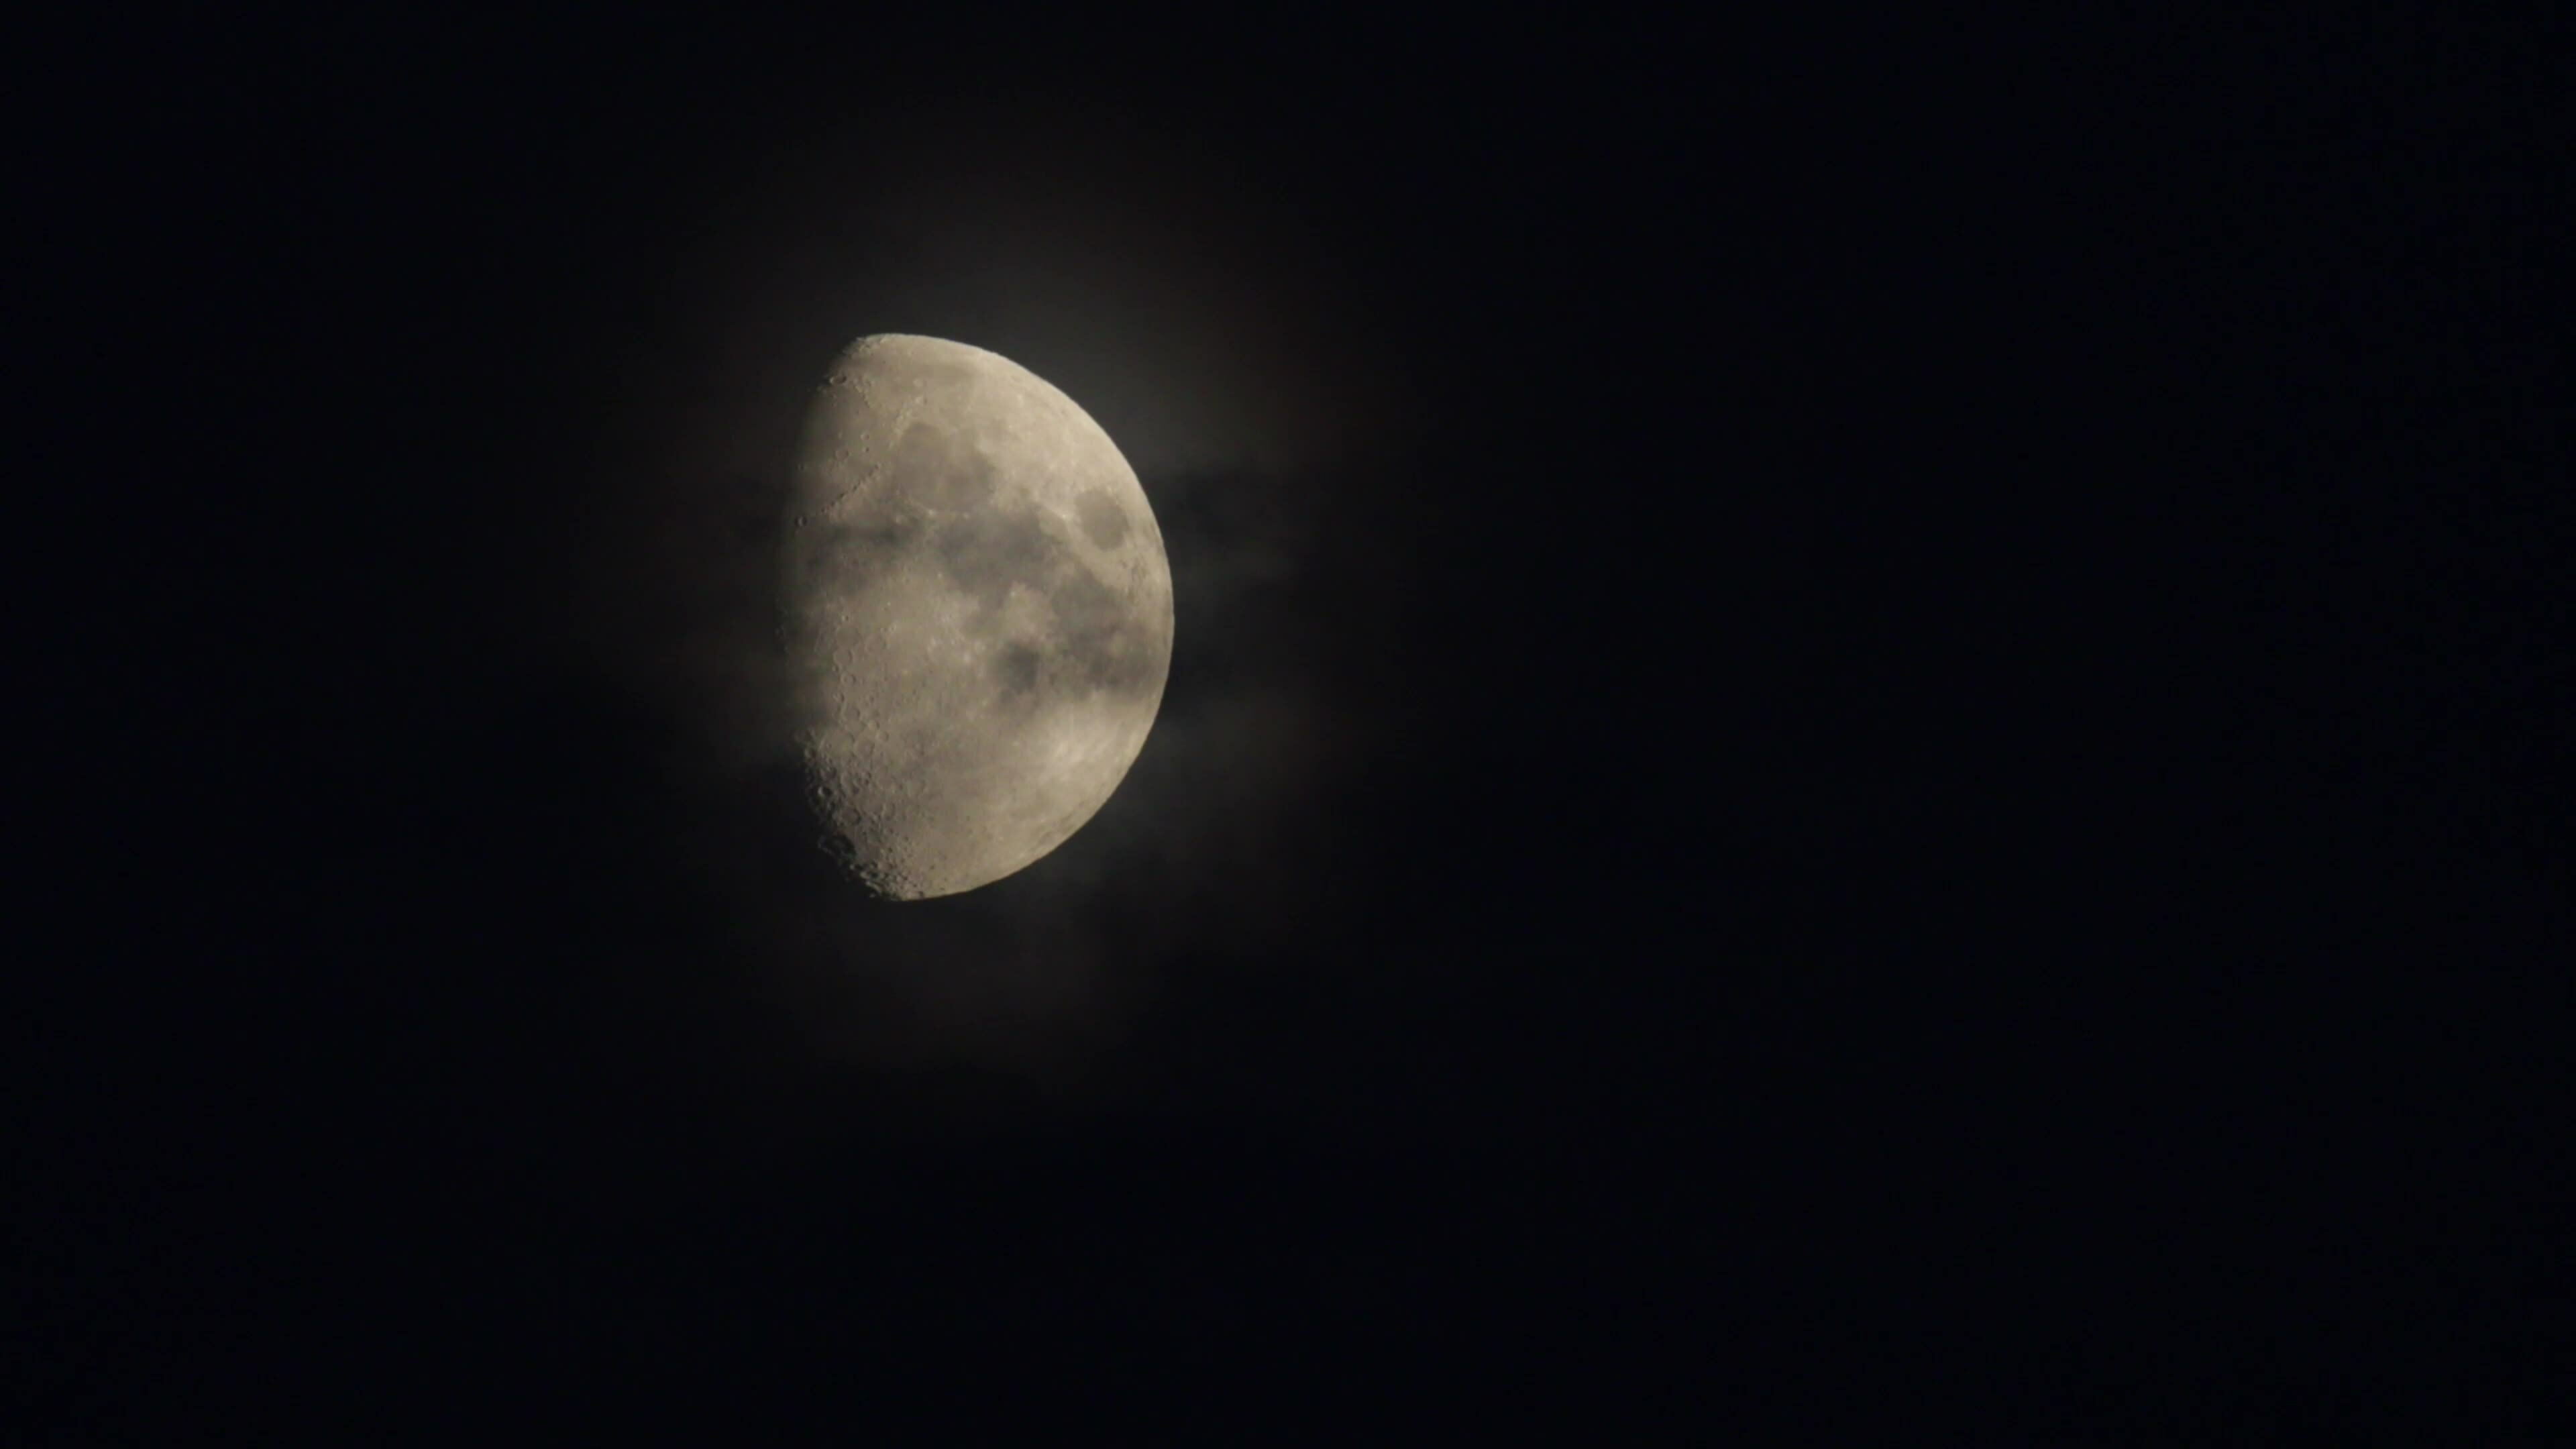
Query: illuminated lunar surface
977	612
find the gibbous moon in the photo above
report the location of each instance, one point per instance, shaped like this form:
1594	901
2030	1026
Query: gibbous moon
977	614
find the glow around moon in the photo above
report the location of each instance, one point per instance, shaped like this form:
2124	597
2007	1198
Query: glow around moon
977	612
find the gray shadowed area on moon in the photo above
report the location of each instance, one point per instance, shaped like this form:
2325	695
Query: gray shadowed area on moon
977	614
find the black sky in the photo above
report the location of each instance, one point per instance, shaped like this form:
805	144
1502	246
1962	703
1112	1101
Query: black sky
1864	722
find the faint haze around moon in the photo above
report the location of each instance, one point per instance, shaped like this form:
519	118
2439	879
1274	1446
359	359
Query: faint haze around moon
1227	334
977	611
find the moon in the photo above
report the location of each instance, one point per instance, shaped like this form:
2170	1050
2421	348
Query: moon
976	611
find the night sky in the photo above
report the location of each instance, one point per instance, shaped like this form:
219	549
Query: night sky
1867	724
